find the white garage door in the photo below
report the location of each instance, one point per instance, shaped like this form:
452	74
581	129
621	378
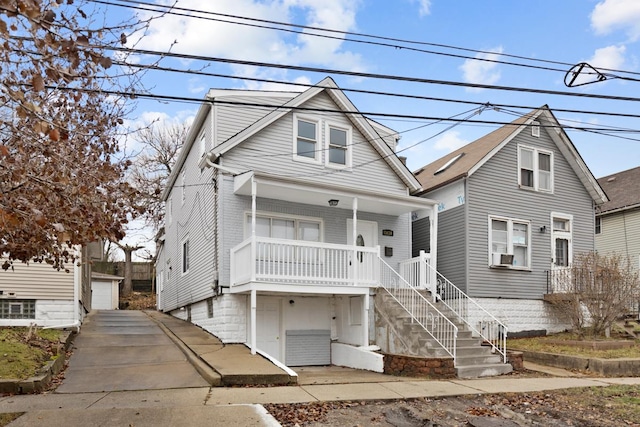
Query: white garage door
101	296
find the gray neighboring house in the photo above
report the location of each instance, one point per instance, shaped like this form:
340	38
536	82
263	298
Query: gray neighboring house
618	221
515	206
280	212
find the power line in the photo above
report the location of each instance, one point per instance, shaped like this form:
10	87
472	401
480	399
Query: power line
187	12
365	91
369	75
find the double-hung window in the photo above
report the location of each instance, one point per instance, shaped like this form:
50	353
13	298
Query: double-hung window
338	146
509	243
306	146
535	169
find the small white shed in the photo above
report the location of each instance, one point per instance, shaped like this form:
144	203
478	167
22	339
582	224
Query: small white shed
104	291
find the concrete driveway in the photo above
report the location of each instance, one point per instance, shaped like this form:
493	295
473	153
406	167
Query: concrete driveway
120	350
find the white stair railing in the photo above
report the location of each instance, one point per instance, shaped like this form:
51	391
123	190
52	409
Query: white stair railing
459	304
422	311
489	328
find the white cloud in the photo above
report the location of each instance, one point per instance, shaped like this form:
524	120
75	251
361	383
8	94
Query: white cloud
222	39
609	57
612	15
482	72
424	7
450	141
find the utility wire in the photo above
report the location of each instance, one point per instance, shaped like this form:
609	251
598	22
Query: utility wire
188	12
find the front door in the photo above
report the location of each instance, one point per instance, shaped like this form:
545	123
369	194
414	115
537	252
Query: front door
367	236
268	326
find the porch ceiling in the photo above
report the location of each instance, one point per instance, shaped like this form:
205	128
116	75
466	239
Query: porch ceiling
310	193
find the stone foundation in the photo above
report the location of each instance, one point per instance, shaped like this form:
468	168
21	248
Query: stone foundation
423	367
516	359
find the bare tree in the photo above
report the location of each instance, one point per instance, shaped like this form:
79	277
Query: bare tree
152	167
597	290
62	176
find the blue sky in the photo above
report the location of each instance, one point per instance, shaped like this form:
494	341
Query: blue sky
603	33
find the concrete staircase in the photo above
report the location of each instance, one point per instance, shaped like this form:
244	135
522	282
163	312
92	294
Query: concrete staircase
473	360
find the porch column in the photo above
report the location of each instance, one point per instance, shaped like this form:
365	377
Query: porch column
254	321
433	244
365	320
254	192
354	259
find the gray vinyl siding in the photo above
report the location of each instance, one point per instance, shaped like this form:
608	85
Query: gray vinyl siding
420	236
452	246
271	151
621	234
231	119
493	190
234	210
194	220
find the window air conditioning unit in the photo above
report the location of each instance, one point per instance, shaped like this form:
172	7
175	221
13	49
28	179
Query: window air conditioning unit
502	260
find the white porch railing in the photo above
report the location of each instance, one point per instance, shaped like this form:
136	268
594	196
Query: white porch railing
262	259
416	272
490	329
422	311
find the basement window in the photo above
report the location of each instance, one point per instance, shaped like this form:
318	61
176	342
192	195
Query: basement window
17	309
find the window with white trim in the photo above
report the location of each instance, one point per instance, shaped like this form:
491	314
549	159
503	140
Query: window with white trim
598	225
561	239
338	146
185	256
306	132
509	243
287	228
535	169
168	208
202	144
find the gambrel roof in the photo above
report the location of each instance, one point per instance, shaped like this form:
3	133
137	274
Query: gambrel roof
464	161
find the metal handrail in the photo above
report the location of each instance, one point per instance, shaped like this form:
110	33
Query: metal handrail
422	311
491	330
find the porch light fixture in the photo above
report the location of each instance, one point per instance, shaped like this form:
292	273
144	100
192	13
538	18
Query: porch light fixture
543	229
333	202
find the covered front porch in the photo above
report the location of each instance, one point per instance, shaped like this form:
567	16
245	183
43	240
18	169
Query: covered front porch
334	264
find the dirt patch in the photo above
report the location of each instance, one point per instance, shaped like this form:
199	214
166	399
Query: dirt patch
588	407
138	301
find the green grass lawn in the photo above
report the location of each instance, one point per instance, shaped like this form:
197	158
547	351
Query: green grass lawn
20	357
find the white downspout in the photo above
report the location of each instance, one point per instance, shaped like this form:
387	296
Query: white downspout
254	321
254	297
365	320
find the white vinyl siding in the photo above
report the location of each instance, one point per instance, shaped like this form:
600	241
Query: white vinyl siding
535	169
620	233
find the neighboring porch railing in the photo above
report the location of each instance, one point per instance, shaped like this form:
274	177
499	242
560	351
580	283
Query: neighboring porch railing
422	311
415	271
299	262
490	329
